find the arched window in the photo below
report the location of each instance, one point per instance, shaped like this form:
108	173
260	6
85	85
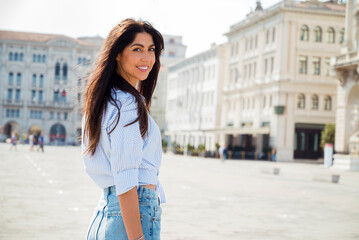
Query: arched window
21	57
267	36
11	78
331	35
301	101
304	33
33	57
16	56
39	58
41	80
18	79
43	58
10	56
317	34
57	71
79	60
315	102
342	35
328	103
84	61
34	79
64	72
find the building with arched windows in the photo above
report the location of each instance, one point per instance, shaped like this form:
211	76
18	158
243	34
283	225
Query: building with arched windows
41	84
279	92
275	84
347	72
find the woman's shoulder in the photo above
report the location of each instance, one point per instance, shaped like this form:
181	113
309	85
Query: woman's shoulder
124	100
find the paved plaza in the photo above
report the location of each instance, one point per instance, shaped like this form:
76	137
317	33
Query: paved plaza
49	196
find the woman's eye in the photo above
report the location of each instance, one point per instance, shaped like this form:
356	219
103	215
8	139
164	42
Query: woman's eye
152	49
136	50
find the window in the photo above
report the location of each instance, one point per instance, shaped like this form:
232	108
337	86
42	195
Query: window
304	33
303	64
17	95
34	80
331	35
40	115
21	57
64	72
301	101
316	65
84	62
315	102
327	66
58	115
33	95
13	113
18	79
317	34
9	94
327	103
56	95
65	115
17	113
254	69
10	56
267	37
79	97
41	96
342	36
79	60
264	101
16	56
57	71
43	58
7	112
11	78
251	44
41	80
51	115
33	57
273	35
38	58
271	64
246	44
265	66
256	41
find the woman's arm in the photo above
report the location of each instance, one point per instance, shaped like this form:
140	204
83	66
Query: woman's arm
131	213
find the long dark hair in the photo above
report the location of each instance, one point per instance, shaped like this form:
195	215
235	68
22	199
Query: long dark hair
98	90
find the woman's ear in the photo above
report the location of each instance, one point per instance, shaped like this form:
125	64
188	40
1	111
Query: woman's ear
118	57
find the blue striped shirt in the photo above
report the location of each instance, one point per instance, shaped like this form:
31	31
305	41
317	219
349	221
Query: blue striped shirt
123	158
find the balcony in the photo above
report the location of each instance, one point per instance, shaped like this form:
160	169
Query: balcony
13	103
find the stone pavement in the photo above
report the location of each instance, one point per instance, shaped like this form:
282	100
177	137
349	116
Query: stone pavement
49	196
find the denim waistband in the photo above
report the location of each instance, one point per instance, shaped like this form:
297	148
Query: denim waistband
142	192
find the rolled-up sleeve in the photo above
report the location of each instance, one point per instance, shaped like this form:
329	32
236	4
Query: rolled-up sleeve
126	151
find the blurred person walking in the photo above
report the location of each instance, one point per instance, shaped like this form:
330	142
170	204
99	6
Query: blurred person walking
121	143
41	143
13	142
31	141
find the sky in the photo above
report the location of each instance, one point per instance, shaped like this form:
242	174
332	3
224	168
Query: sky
199	22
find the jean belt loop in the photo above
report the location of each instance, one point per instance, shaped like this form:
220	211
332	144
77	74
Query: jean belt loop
140	192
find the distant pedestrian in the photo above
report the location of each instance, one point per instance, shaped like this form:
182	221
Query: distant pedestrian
222	153
13	141
41	143
274	155
31	142
121	145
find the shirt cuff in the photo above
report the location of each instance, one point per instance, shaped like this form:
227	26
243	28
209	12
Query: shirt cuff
126	180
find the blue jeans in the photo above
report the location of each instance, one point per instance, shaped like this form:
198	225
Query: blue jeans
107	222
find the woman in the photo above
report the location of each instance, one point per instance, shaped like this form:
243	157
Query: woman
121	144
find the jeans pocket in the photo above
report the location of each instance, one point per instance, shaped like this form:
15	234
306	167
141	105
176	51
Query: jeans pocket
156	223
151	221
115	227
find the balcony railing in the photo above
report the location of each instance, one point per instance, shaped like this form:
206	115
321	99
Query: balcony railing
13	102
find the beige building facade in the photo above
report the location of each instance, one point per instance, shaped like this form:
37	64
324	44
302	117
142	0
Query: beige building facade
346	66
194	99
280	92
41	81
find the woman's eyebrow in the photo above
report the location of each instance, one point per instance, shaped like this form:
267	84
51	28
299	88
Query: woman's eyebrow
140	45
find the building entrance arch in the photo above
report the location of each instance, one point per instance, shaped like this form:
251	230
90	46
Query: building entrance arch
11	127
57	134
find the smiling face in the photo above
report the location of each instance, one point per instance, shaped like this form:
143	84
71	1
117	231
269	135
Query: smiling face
137	59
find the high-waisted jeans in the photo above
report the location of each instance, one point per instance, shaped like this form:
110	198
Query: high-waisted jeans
107	222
